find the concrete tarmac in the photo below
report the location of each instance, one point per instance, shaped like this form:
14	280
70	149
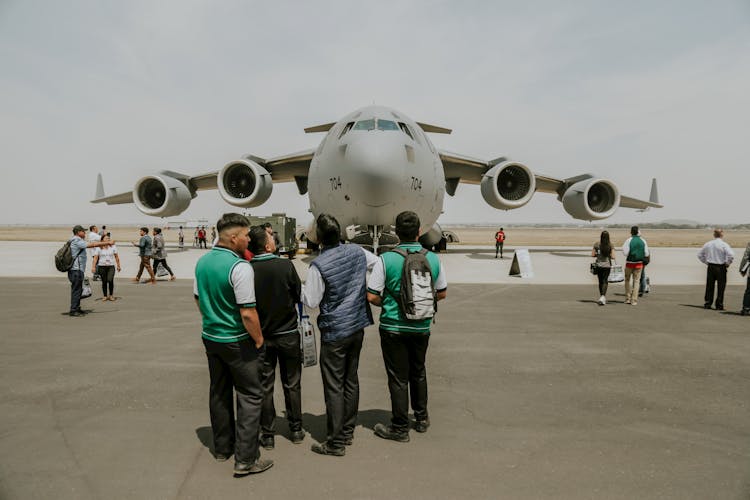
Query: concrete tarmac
535	392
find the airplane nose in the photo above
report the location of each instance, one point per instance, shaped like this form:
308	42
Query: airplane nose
378	165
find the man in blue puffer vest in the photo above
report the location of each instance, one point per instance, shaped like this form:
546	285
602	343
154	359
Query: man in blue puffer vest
336	282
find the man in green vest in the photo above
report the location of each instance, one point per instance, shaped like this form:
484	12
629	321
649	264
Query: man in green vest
224	290
403	341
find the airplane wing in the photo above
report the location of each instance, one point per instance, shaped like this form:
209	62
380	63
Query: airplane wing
286	168
461	168
282	169
468	170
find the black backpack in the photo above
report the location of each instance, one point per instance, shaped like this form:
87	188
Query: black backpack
64	258
417	299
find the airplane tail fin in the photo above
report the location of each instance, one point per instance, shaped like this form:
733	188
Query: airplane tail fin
100	187
654	196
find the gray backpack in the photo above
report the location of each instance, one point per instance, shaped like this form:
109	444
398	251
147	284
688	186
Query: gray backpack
64	257
417	299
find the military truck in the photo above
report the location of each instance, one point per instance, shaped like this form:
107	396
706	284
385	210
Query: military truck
284	228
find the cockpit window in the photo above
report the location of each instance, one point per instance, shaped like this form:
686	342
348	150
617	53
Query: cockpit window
387	125
346	129
365	124
405	130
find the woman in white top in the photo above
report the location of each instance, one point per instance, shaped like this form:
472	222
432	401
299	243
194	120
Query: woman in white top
604	253
106	257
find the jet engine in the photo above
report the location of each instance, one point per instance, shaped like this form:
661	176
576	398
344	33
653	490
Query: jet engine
432	237
161	195
508	185
591	199
244	183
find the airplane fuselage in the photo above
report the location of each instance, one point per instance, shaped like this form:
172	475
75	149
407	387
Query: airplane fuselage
373	164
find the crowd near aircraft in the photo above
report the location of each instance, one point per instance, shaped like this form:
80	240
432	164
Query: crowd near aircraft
373	164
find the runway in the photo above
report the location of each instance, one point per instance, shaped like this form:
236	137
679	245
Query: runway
535	392
464	264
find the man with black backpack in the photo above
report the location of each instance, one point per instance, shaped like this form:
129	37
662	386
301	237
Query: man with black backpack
406	283
72	258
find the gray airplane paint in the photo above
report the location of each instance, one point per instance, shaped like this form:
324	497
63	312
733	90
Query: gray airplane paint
373	164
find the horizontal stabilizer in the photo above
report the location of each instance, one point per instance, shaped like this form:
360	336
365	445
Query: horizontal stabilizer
320	128
434	128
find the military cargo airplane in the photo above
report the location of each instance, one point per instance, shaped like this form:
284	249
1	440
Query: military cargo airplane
372	164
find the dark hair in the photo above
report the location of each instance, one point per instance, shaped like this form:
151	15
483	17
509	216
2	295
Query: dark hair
230	220
605	247
266	224
157	230
258	239
91	228
407	226
104	227
144	229
328	229
634	231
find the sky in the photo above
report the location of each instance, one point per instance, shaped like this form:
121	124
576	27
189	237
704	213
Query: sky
625	90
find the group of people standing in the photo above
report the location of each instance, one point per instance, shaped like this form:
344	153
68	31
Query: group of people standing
716	254
249	318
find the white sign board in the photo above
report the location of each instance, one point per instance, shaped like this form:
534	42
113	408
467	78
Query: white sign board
521	265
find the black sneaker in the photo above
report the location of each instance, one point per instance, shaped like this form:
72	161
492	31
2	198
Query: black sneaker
422	425
222	457
706	306
348	440
297	436
390	433
244	468
76	314
267	441
325	449
745	312
719	308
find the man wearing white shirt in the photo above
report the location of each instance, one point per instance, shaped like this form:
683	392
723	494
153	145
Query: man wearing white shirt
717	255
93	237
336	282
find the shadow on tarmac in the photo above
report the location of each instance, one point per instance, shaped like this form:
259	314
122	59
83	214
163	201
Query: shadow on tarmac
314	425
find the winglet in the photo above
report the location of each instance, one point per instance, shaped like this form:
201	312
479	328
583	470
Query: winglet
654	196
99	187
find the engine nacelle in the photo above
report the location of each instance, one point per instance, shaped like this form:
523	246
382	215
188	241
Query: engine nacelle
161	195
244	183
432	237
508	185
591	199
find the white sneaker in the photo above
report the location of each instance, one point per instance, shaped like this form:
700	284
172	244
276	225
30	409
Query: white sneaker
603	300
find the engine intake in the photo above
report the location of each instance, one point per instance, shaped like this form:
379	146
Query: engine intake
244	183
508	185
161	195
591	199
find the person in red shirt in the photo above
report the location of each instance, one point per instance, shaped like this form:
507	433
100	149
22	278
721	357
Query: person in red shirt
499	240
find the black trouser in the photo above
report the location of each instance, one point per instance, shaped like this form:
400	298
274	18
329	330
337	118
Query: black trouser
404	356
746	297
602	273
499	246
76	289
286	350
235	365
107	274
163	262
715	273
339	361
